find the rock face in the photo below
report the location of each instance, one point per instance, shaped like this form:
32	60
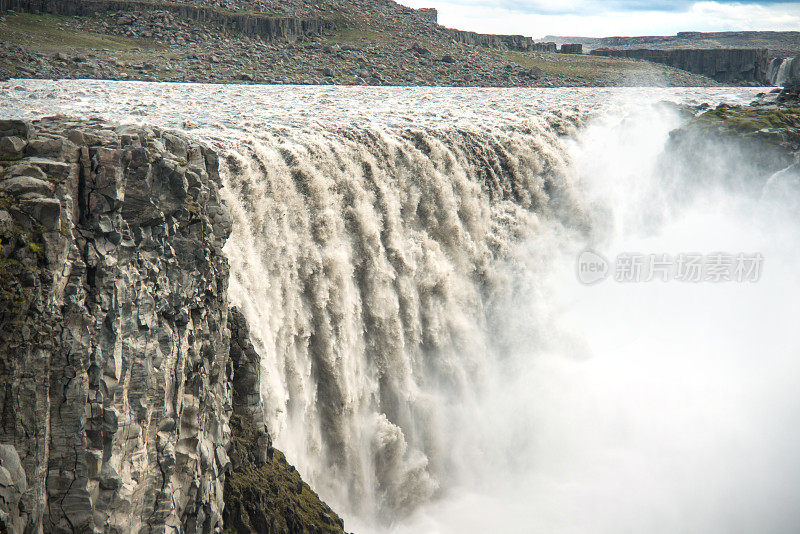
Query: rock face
510	42
119	377
732	65
571	49
112	330
253	24
428	13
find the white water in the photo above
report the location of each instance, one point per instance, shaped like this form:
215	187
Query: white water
432	363
780	71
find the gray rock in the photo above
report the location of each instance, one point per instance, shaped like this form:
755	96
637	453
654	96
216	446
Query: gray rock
26	169
9	459
19	185
12	146
47	211
15	128
93	357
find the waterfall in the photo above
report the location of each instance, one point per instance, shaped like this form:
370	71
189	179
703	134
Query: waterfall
781	70
406	259
364	261
431	364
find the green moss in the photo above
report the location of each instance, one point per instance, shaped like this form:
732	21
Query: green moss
751	119
7	158
580	66
768	126
272	493
37	249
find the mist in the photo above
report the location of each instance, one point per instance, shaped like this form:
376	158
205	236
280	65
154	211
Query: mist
642	407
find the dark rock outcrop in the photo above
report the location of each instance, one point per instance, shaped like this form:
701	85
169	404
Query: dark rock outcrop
571	48
518	43
428	13
545	47
751	149
510	42
253	24
733	65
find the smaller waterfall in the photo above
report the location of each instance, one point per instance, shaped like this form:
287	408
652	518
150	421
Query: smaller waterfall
781	70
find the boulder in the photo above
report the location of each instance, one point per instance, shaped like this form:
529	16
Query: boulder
12	146
20	185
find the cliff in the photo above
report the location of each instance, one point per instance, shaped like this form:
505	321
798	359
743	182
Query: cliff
723	65
514	42
248	23
115	356
754	147
571	48
779	43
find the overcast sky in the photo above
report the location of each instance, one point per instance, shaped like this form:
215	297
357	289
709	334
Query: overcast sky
599	18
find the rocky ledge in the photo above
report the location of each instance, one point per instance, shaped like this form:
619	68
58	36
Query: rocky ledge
119	378
753	148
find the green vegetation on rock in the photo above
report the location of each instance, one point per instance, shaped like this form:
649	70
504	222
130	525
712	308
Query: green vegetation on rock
750	120
270	497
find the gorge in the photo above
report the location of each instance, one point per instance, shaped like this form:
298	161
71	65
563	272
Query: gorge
407	322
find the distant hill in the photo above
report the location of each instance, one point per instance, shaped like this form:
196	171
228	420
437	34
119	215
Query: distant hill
779	44
361	42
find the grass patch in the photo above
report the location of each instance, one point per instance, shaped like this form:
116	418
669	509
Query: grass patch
43	32
579	66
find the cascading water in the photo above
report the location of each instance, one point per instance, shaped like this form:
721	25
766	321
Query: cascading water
781	70
431	363
362	260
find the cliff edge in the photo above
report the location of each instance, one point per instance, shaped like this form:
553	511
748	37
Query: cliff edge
115	354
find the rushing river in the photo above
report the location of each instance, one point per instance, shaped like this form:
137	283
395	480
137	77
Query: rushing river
432	359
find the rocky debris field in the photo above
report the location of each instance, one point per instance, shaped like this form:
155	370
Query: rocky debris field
394	47
119	375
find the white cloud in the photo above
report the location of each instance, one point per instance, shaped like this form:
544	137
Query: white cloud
482	16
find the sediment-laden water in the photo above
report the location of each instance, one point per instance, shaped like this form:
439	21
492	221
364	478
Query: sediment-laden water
431	362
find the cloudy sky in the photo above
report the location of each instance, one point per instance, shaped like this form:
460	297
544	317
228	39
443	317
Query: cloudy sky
597	18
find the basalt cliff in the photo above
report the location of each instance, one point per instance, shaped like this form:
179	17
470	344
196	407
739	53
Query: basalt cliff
129	395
